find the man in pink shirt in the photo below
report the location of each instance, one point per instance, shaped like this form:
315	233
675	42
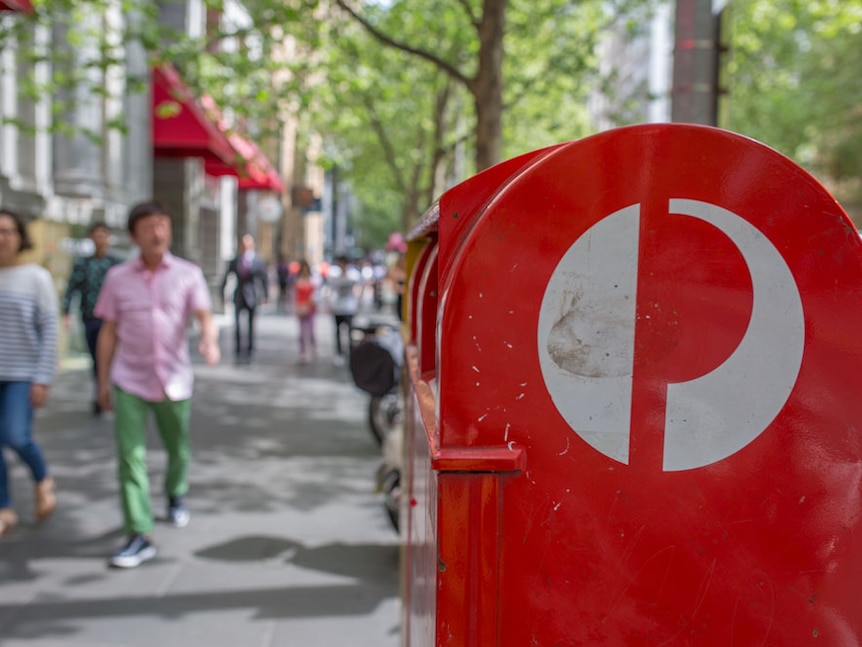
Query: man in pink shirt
146	305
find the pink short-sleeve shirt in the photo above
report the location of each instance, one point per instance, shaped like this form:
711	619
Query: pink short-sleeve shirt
152	310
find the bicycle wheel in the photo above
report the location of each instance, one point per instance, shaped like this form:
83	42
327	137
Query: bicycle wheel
384	413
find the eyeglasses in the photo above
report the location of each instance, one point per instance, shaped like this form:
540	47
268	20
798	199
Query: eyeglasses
8	232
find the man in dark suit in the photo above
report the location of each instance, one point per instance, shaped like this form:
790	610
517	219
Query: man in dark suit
252	288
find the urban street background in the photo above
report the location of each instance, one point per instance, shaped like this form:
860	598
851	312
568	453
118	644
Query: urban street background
289	545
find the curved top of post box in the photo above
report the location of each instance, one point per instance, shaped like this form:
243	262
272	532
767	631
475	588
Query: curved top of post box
664	321
453	214
427	224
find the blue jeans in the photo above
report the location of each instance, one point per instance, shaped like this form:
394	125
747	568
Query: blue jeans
16	419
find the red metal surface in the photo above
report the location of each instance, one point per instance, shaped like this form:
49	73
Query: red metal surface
459	205
468	565
479	459
664	321
419	509
426	313
181	128
421	487
453	527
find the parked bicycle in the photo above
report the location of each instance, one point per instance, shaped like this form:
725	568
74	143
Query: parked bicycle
376	360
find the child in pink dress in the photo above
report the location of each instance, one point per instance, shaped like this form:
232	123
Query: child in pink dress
305	307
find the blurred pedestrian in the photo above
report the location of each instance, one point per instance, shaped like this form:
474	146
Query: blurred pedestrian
252	288
146	305
282	273
345	291
88	274
28	359
305	306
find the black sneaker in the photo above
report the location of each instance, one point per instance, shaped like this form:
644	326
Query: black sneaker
137	550
178	513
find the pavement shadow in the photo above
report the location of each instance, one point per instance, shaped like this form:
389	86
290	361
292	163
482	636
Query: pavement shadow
20	552
42	618
378	562
371	567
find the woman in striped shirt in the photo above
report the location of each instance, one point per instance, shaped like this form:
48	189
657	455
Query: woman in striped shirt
28	349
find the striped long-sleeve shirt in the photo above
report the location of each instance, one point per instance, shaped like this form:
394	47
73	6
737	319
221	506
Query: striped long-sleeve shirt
28	324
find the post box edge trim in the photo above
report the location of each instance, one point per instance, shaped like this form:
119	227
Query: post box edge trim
509	458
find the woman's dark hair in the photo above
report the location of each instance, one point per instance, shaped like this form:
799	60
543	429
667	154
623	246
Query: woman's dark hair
144	209
21	226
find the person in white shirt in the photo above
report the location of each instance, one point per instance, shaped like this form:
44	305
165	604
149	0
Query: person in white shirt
345	290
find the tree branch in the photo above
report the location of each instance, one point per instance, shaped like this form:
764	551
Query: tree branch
385	143
448	68
474	19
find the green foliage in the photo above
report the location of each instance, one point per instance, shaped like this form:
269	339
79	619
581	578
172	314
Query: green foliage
391	119
795	82
238	65
68	49
398	118
548	70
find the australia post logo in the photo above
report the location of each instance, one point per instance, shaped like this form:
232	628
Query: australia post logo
588	341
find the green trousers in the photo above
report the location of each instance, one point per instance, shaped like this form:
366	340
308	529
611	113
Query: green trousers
130	432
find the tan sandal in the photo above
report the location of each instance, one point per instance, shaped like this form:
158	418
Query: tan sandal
46	500
8	520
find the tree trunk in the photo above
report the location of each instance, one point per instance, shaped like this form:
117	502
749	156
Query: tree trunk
487	87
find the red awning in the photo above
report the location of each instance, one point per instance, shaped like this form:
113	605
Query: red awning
270	182
181	128
251	167
24	6
263	178
248	163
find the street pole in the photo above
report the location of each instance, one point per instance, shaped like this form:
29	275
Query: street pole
695	93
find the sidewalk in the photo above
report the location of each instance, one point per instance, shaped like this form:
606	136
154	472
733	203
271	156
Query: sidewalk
288	545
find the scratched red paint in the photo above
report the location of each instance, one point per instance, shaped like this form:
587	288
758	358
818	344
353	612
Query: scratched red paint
564	545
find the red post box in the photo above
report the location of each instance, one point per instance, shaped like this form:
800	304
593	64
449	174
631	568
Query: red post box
634	412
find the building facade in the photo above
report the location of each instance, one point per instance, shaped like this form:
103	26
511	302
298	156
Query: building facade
112	135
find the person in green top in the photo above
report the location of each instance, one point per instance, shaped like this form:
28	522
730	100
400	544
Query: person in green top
88	274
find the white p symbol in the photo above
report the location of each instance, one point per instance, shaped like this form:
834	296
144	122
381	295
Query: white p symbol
586	344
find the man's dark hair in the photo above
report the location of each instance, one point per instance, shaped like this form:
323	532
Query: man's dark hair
144	209
98	225
21	226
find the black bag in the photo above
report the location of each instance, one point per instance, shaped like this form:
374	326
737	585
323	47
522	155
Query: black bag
375	364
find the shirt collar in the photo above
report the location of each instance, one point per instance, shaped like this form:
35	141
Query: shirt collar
167	261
